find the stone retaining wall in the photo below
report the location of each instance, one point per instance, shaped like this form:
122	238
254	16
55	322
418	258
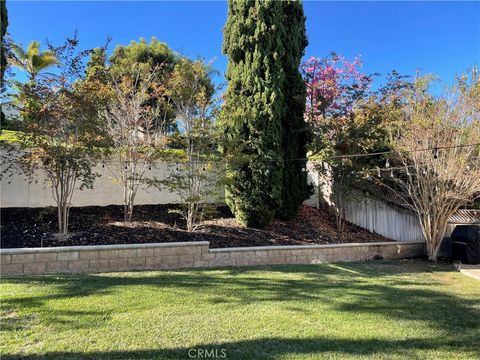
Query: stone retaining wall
101	258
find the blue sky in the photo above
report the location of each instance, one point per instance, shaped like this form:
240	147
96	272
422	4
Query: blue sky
435	37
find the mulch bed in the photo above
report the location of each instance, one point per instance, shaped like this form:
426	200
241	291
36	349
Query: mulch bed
35	227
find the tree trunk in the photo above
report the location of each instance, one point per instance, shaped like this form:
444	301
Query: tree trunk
433	256
190	217
128	204
130	211
59	217
62	198
340	220
125	201
433	231
62	210
65	219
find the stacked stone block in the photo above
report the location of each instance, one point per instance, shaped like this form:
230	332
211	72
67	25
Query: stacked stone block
105	258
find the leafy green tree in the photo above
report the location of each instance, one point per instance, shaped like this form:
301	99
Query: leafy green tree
60	126
296	136
144	57
254	108
32	60
151	55
97	65
3	58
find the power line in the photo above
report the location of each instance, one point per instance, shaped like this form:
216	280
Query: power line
409	151
346	156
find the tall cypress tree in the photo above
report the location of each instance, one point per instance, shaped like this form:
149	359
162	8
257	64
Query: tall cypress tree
295	187
4	24
254	109
3	58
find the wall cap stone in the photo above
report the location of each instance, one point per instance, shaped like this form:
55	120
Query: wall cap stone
60	249
101	247
323	246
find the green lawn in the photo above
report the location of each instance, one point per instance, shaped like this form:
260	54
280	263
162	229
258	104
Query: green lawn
381	310
9	136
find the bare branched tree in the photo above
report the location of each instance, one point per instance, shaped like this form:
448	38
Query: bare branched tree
197	182
436	183
129	120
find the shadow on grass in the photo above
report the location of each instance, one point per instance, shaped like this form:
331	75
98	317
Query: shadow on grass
373	288
12	321
274	348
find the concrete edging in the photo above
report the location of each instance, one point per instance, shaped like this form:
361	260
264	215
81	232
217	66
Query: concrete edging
105	258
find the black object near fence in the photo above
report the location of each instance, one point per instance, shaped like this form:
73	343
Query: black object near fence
466	244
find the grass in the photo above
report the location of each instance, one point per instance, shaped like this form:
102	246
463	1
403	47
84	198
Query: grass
9	136
375	310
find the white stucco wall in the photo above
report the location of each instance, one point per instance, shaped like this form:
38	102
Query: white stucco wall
17	191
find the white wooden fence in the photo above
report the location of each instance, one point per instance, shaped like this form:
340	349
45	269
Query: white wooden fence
391	221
